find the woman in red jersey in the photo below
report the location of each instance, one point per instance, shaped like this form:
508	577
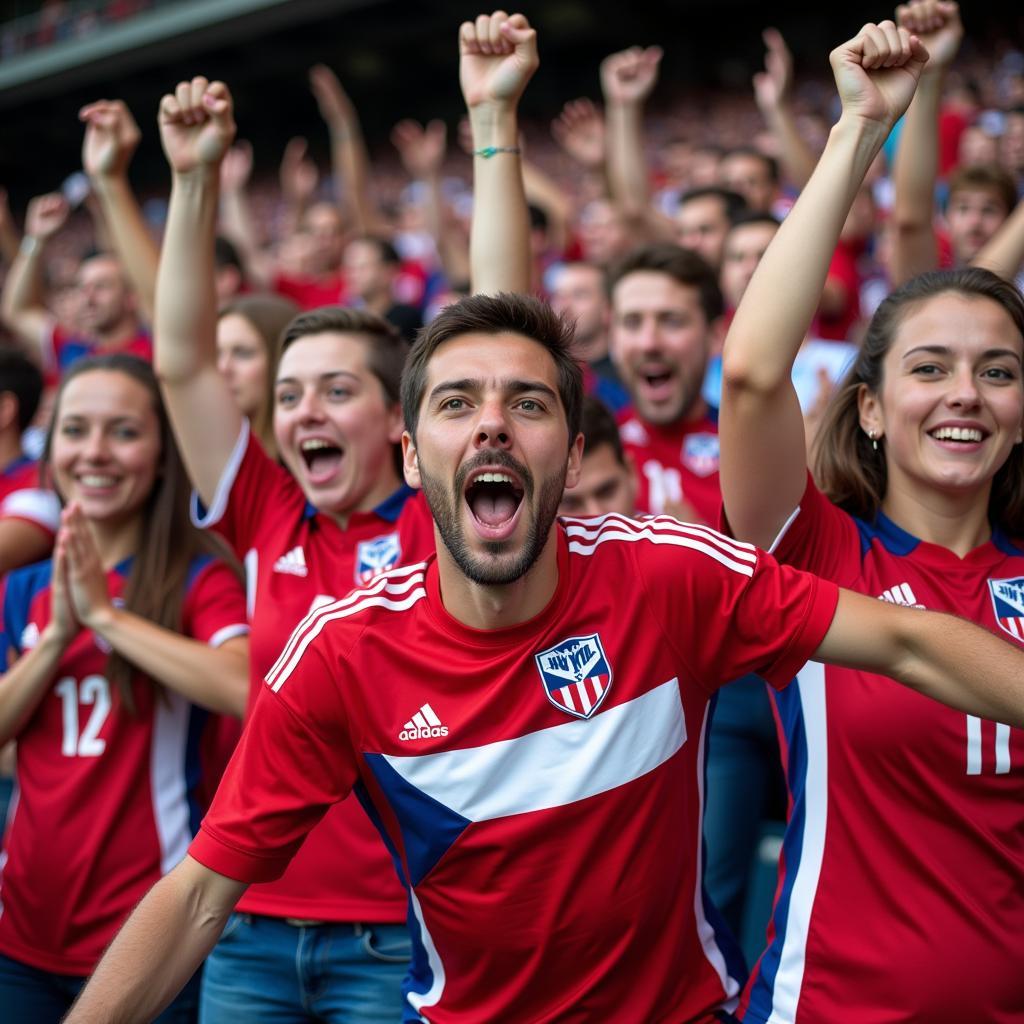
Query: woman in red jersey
119	649
900	896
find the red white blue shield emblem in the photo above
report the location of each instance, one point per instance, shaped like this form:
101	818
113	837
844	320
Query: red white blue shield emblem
576	674
376	556
1008	603
701	454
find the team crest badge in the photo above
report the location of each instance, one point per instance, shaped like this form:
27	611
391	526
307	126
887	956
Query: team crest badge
376	556
1008	603
576	674
700	454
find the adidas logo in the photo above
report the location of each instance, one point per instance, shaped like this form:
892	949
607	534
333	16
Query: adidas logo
294	563
900	594
424	725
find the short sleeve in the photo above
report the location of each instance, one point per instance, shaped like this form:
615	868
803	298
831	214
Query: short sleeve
252	493
727	608
33	505
294	761
214	606
820	538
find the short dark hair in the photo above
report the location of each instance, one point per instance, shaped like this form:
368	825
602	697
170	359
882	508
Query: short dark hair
225	254
385	250
770	163
22	378
598	427
504	313
732	202
385	348
682	265
991	177
745	217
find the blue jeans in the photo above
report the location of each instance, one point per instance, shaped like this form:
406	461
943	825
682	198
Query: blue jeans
744	773
29	995
266	971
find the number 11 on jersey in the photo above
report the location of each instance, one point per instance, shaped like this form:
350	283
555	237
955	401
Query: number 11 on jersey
1002	747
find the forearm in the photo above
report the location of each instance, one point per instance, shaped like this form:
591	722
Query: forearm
543	192
914	174
21	304
351	164
499	247
186	301
130	236
1003	254
27	682
159	948
627	170
214	678
795	155
238	226
780	301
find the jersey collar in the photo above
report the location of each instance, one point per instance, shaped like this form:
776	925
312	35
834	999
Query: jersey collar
389	509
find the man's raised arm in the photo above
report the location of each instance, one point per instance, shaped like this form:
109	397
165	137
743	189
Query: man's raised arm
161	945
111	137
498	56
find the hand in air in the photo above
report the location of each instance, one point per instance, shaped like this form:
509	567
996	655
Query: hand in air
498	56
197	125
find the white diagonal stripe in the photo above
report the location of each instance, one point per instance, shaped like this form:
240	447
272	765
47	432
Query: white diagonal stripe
428	714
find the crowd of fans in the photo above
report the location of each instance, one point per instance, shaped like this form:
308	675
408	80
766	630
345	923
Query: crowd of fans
139	630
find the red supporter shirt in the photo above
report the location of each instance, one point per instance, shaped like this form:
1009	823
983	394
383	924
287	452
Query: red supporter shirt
62	349
105	802
843	269
541	785
901	894
678	462
22	497
297	559
311	292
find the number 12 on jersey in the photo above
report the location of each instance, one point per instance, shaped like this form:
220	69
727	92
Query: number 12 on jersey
94	690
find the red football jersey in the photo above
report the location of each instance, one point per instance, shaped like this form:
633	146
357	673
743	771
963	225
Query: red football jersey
62	348
22	497
901	893
541	785
674	463
295	560
105	801
311	292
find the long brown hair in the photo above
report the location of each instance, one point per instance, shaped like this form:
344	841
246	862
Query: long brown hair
155	588
846	467
268	315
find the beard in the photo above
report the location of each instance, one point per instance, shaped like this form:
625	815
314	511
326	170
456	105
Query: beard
502	563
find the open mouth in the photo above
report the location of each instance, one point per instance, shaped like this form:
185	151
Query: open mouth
656	381
322	458
494	498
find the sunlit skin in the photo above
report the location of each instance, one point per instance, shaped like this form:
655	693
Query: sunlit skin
605	485
955	363
328	404
105	453
325	231
105	303
744	247
973	217
660	342
483	413
579	294
702	224
242	361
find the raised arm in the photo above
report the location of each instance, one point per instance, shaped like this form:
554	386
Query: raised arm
773	91
236	220
111	137
942	656
1003	253
196	128
497	57
915	249
349	158
22	306
161	945
764	465
627	79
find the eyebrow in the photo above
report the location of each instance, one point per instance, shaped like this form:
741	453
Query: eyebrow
322	376
943	350
514	387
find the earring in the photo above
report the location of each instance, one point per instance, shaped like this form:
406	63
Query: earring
873	435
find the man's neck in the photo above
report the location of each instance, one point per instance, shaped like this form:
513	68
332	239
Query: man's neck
498	607
123	331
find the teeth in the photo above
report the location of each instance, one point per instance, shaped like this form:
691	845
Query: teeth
314	444
91	480
957	434
493	478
